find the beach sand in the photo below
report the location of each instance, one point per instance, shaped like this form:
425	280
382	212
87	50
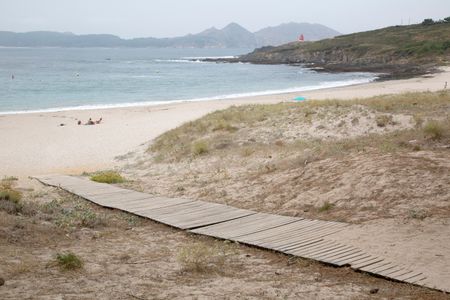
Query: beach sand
36	143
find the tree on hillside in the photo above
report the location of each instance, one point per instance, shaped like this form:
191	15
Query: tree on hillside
447	20
427	22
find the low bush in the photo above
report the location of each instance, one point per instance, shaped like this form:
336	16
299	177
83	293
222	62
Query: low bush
434	130
8	192
68	261
201	257
108	177
383	120
199	148
327	206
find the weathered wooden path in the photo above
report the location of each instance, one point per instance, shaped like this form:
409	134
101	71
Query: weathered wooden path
305	238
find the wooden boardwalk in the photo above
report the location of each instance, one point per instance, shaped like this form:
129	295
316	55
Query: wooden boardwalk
312	239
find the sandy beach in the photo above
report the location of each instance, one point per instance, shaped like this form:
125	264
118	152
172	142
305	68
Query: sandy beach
36	143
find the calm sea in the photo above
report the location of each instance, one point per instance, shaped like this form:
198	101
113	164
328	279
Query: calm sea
51	79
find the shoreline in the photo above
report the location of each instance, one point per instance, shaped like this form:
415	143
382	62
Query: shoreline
335	84
37	144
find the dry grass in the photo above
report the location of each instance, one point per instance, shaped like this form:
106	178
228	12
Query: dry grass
437	130
384	120
205	257
209	135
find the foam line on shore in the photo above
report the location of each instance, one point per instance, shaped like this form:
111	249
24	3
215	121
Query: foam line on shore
323	85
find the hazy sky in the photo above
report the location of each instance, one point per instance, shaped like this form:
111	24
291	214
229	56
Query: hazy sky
160	18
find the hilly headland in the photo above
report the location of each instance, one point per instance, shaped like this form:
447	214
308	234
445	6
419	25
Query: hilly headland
398	51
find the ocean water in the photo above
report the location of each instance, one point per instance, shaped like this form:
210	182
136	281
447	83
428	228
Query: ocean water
52	79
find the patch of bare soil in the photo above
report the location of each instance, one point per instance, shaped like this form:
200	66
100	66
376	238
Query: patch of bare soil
126	257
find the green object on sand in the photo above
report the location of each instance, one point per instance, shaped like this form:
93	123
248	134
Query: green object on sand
299	98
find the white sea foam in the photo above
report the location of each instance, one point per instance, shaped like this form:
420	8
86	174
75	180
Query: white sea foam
179	60
192	59
208	57
323	85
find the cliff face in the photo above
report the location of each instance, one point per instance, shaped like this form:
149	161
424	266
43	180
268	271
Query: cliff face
400	49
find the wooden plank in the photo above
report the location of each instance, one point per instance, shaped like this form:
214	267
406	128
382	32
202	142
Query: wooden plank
284	233
316	252
399	273
357	257
201	221
306	242
311	247
325	247
381	267
413	274
392	272
366	263
151	205
415	279
112	200
338	260
207	213
243	227
198	214
296	242
338	253
232	227
215	220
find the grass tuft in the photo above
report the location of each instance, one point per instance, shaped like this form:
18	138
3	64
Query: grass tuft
201	257
8	191
383	120
200	148
68	261
108	177
327	206
434	130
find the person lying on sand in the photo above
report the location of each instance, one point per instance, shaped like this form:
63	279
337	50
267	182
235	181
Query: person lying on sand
91	122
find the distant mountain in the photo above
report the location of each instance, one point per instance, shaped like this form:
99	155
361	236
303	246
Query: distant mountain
231	36
286	33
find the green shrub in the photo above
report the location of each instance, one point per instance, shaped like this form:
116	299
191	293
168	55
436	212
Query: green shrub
8	192
434	130
108	177
428	22
199	148
68	261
